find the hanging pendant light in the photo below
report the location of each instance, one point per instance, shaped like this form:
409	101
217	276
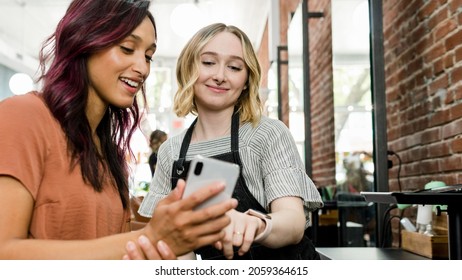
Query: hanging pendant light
186	19
21	83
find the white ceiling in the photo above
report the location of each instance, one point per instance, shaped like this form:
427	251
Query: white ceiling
25	24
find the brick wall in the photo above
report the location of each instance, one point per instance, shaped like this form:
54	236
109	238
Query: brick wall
423	69
322	97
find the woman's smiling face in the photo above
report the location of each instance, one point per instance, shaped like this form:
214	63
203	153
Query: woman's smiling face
222	73
118	72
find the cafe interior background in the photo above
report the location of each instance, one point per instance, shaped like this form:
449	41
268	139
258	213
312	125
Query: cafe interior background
370	90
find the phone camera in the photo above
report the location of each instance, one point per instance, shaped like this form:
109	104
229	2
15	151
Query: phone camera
198	168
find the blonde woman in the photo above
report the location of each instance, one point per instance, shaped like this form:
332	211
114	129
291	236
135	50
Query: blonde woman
218	78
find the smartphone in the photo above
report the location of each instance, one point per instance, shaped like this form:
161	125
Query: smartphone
204	171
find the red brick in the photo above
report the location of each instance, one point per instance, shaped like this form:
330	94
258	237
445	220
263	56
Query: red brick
453	40
435	19
440	82
437	150
456	75
428	8
439	117
456	145
438	66
428	167
452	129
451	163
458	53
448	60
443	29
454	6
456	111
434	52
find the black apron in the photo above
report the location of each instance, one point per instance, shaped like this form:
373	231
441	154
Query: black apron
300	251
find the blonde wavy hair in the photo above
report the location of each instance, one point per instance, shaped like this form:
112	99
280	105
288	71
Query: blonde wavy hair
187	72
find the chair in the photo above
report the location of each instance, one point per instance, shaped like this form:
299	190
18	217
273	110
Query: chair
354	214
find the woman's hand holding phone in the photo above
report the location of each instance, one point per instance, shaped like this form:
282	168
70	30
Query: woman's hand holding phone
185	228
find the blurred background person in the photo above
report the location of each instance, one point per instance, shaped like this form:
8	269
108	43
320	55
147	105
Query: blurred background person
156	139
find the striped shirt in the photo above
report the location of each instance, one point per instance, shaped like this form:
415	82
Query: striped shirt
272	167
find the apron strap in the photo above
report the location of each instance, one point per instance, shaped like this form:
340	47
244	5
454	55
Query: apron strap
235	121
184	148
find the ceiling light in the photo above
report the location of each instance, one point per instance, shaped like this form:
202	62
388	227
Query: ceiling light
21	83
186	19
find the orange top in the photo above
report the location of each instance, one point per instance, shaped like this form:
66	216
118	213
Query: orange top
33	149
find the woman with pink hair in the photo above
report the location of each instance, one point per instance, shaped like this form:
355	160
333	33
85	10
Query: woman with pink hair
63	174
